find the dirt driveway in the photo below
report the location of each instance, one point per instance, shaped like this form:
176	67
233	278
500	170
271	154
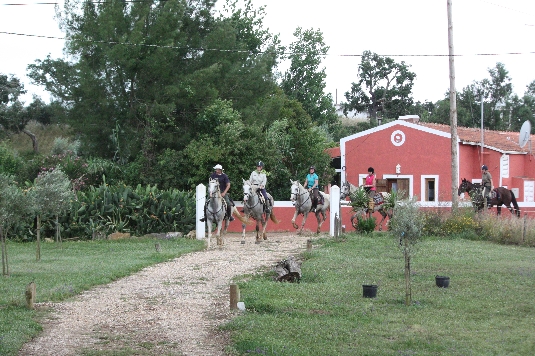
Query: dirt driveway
172	308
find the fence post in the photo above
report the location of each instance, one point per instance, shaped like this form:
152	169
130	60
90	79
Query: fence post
335	208
200	198
234	296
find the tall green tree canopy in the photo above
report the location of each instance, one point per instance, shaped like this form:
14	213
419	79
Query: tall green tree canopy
304	81
383	85
143	71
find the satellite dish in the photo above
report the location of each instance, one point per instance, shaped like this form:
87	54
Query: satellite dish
525	134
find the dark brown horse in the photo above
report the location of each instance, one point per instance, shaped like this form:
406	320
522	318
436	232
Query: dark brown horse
499	196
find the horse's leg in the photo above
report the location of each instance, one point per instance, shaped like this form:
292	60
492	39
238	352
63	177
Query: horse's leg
243	232
258	231
498	209
218	233
383	214
317	214
264	226
305	215
293	219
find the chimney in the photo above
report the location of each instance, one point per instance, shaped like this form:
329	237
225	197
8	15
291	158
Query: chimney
410	118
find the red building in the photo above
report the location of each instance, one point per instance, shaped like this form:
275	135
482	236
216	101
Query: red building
415	157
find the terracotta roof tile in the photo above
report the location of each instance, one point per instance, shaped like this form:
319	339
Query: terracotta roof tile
333	152
506	141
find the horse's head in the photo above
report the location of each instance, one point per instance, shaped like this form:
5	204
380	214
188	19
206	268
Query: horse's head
345	190
465	186
213	187
247	190
294	189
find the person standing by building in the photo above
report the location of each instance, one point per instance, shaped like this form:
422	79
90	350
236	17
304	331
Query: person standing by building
486	182
312	184
371	188
258	177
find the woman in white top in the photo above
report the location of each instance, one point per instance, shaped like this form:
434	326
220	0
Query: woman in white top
258	177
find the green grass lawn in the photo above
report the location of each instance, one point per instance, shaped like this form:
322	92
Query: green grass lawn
488	309
67	269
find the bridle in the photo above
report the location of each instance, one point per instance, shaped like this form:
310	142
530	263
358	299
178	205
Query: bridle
296	193
246	195
212	193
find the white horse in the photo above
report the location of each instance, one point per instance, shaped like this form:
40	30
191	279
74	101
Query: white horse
349	189
303	204
215	211
253	207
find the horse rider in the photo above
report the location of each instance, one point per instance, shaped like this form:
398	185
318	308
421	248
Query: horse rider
258	178
224	186
486	182
371	188
312	184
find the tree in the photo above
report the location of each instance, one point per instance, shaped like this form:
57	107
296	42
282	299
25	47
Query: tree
304	81
383	85
52	194
144	70
498	91
406	227
14	205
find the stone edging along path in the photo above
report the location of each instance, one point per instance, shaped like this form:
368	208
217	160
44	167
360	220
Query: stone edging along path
173	308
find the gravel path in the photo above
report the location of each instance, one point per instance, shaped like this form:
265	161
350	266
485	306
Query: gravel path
172	308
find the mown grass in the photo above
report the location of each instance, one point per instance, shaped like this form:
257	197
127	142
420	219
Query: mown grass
67	269
487	310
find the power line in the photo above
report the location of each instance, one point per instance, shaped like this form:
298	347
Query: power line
247	51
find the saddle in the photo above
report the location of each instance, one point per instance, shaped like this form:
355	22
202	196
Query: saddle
320	200
378	199
494	194
263	200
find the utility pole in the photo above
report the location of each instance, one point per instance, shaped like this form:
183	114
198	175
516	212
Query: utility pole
482	132
453	117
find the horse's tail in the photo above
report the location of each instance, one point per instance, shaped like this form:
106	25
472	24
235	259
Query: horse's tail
273	217
515	204
237	214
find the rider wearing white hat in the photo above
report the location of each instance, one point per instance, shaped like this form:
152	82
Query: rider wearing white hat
224	186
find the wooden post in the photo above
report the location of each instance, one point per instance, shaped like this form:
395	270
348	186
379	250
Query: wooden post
30	295
158	247
524	227
234	296
309	245
336	232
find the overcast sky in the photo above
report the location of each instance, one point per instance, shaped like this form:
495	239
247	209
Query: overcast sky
413	31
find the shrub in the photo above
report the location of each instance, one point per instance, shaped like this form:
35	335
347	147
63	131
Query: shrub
365	225
507	229
443	222
10	162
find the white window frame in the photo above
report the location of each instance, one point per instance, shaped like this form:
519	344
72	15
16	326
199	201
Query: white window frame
423	189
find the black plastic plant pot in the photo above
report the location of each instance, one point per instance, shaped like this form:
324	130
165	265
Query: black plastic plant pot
369	290
442	281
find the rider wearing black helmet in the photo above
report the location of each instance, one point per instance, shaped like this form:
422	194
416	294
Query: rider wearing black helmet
311	183
258	177
486	182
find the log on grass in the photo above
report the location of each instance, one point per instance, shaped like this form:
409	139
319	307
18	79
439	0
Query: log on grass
288	270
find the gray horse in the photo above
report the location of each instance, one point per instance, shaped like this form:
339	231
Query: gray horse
253	207
303	204
215	211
